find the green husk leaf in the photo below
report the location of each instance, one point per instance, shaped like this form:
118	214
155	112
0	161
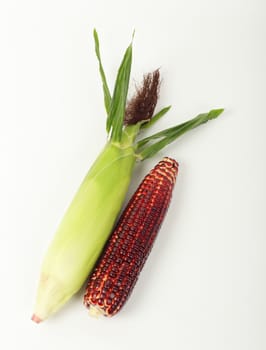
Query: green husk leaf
155	118
118	105
106	91
159	135
169	135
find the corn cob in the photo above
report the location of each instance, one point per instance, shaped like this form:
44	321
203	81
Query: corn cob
130	243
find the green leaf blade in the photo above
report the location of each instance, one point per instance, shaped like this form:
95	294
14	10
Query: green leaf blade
106	91
167	136
118	104
155	118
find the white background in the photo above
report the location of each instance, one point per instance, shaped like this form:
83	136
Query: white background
203	286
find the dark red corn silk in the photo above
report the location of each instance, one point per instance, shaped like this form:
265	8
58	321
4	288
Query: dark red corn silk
142	105
130	243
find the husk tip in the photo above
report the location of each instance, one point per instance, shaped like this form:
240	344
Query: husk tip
36	319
